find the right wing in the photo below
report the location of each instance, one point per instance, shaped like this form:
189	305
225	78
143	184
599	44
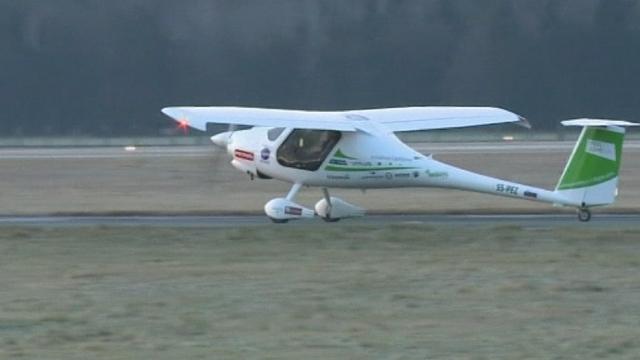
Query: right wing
391	119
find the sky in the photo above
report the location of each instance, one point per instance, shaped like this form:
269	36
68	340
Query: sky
105	68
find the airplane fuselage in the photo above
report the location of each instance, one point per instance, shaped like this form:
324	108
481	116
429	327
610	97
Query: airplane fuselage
364	161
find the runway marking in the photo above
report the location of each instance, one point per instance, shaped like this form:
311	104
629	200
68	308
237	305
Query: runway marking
106	153
207	151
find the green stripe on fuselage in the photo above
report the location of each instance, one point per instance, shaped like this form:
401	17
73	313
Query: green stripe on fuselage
389	168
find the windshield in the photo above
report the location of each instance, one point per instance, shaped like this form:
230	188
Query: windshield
307	149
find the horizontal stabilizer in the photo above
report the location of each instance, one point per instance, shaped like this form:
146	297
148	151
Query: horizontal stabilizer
598	122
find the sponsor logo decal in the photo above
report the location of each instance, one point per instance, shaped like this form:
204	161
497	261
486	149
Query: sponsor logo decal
361	163
372	177
342	162
243	154
265	153
437	174
339	177
601	149
391	158
369	169
291	210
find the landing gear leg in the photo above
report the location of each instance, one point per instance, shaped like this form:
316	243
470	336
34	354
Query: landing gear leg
294	191
584	214
327	197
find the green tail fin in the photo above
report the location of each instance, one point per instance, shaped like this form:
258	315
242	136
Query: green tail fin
596	158
591	175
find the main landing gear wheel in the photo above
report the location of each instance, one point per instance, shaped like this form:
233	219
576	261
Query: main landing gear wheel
329	219
584	214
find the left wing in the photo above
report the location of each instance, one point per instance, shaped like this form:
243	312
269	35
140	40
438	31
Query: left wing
391	119
440	117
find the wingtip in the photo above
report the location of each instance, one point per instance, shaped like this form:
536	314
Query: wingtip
523	122
169	111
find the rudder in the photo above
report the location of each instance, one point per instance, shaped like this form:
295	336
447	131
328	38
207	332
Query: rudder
590	177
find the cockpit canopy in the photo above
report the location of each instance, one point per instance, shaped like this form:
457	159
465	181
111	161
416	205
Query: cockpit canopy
307	149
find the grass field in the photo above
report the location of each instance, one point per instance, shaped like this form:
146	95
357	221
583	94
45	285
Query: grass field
328	292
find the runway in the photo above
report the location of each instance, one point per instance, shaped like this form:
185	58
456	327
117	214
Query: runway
511	147
198	180
220	221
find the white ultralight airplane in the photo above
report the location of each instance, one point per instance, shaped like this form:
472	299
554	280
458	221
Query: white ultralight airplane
358	149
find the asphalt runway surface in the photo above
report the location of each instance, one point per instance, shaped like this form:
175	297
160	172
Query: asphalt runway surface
216	221
185	180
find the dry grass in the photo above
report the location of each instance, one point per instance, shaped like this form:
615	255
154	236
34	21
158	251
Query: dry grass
345	291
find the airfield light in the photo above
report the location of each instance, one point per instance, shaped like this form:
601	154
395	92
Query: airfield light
183	125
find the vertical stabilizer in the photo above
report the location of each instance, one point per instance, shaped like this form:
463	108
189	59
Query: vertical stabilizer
590	178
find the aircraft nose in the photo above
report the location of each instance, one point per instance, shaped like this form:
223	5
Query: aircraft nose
222	139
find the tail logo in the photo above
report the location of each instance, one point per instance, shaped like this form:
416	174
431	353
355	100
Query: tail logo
601	149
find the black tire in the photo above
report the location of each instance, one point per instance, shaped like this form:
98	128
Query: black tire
330	219
584	215
279	221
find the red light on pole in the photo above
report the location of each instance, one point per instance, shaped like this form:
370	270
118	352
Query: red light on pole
184	126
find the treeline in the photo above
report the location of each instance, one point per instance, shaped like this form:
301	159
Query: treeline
106	68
